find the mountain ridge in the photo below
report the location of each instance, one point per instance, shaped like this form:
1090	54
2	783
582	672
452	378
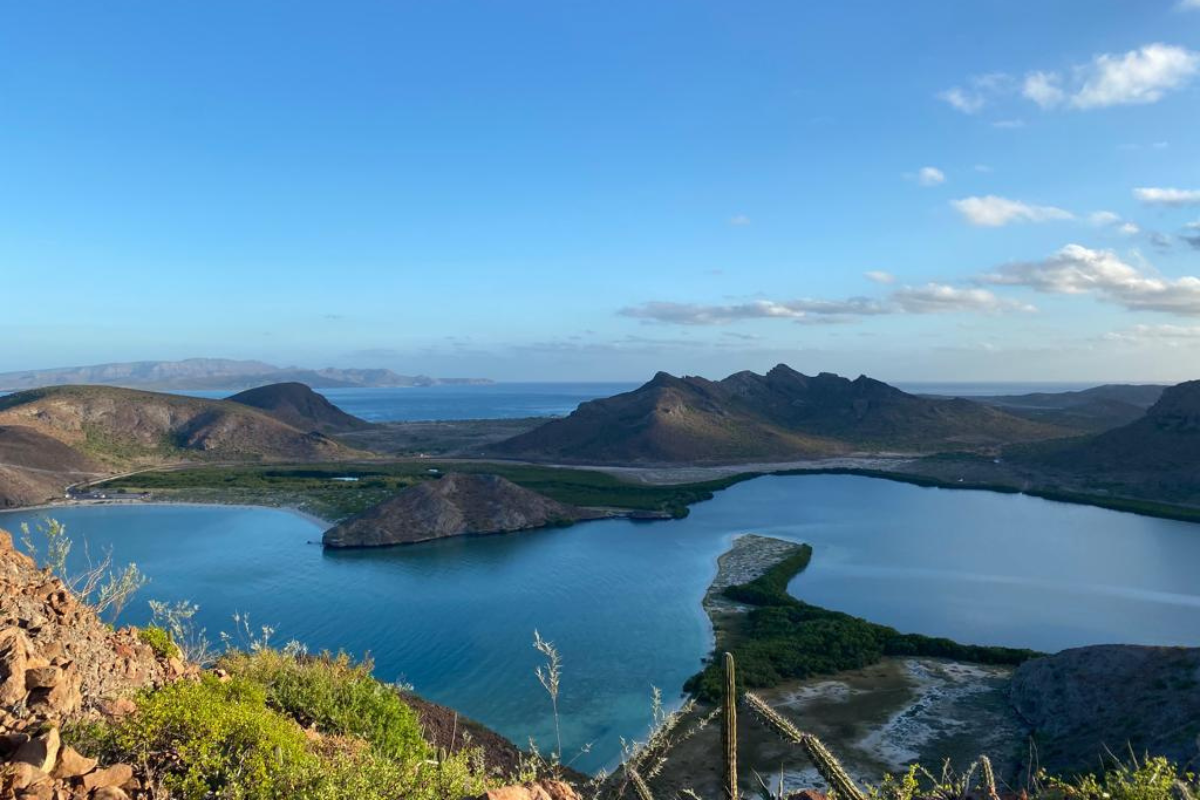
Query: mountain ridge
782	414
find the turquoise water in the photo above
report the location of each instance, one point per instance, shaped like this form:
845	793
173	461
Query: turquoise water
621	599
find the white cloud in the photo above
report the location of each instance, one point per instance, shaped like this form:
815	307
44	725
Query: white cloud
1157	196
739	220
1156	334
797	310
1137	77
879	276
962	100
939	298
993	212
1111	219
930	176
1076	269
971	100
1044	88
1189	5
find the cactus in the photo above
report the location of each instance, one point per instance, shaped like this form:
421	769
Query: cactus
829	767
729	729
989	778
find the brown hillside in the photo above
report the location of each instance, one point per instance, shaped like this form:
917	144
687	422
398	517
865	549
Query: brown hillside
299	406
783	414
126	427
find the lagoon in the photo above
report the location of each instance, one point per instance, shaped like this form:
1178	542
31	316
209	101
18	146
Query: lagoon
622	599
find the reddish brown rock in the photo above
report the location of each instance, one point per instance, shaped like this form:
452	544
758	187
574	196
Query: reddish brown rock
109	793
21	775
41	751
42	677
116	775
538	790
73	765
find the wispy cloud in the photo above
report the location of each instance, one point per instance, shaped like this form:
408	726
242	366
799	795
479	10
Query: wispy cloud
739	220
1156	334
1188	5
1113	221
879	276
1044	89
993	212
930	176
978	92
1076	269
1158	196
796	310
940	298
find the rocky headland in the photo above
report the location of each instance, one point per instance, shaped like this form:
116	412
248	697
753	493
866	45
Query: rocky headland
458	504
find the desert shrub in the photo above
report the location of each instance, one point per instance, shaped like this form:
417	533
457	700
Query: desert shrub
159	641
335	695
210	739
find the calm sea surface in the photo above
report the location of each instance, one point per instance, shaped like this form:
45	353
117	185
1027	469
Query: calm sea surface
622	599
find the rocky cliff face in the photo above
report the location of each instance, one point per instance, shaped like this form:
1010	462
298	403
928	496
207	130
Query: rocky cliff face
455	505
1115	698
59	664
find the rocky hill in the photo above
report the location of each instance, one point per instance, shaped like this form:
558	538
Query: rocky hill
1119	697
52	438
783	414
454	505
299	406
1158	455
212	373
1093	410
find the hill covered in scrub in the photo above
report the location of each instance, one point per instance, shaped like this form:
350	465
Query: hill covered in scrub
124	427
53	438
454	505
299	406
1157	456
781	415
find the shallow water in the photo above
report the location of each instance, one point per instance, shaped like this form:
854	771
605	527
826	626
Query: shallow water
622	599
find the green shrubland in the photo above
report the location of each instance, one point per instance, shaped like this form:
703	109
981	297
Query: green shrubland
283	725
783	638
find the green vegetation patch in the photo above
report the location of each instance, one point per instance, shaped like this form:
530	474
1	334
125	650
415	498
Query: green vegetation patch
316	488
160	641
283	725
785	639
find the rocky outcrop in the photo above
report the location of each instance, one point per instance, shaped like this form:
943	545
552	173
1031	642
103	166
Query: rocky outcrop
299	406
454	505
538	790
60	663
1089	701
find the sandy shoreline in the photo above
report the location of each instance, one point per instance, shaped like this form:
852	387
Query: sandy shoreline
323	524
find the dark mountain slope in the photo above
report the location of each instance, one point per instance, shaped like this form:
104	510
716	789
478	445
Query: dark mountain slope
301	407
1156	456
35	468
1092	410
783	414
125	427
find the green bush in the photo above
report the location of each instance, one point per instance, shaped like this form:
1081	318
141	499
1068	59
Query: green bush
336	696
159	641
245	739
218	739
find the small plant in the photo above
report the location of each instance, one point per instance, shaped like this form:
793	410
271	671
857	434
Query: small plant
549	677
159	641
177	620
98	584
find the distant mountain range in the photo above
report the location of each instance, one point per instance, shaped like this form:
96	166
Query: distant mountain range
1096	409
781	415
214	374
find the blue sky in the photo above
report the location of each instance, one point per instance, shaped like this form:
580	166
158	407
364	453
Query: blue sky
561	190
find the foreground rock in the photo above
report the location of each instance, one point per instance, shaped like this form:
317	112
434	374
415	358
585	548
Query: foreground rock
538	790
59	663
455	505
1087	701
